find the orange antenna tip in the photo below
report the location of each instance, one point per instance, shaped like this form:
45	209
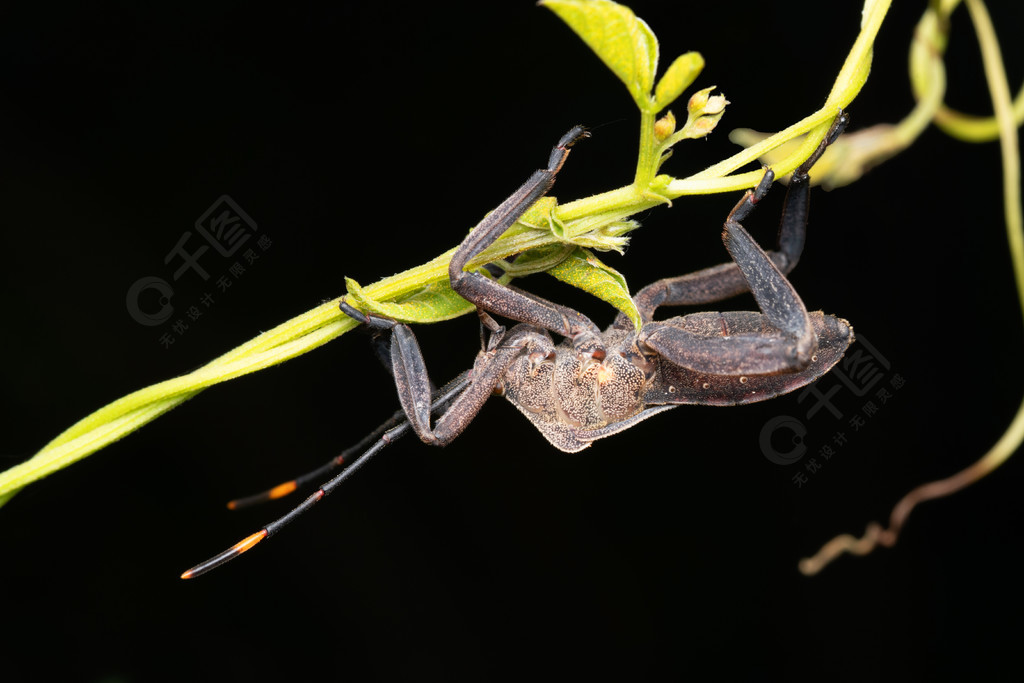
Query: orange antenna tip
284	489
229	554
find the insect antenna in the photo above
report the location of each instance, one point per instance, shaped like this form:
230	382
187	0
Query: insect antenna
393	429
345	457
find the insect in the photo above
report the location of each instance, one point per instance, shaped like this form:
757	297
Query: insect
595	384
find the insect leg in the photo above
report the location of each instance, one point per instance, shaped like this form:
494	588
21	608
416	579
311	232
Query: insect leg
742	343
784	338
413	382
508	301
723	281
774	294
795	209
487	374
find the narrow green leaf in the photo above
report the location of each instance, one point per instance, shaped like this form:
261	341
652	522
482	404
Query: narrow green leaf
678	78
433	303
623	41
585	271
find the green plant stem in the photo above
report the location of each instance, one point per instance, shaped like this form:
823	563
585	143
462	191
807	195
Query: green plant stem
851	79
113	421
1009	145
647	161
1013	437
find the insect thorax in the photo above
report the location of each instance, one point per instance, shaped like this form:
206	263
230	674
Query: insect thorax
563	394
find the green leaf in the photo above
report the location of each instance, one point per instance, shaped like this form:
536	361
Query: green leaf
433	303
678	78
538	216
585	271
623	41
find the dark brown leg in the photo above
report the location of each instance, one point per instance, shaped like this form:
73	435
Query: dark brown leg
781	338
725	280
511	302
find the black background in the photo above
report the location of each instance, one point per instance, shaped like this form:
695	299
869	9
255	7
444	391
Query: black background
364	141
